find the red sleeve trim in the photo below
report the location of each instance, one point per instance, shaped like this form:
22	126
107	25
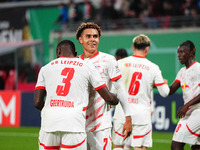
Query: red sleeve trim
159	84
40	87
100	87
177	81
116	78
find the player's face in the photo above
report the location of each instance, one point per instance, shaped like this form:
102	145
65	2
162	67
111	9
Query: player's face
90	40
183	54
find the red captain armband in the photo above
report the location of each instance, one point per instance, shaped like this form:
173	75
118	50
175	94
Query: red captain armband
40	87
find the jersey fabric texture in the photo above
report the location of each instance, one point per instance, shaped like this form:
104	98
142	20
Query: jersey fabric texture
66	81
188	128
98	115
138	74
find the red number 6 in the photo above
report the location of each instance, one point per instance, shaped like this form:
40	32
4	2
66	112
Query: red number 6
135	83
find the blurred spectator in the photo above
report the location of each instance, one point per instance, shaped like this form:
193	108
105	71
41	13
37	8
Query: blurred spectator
87	9
107	9
167	13
10	80
63	17
2	79
72	11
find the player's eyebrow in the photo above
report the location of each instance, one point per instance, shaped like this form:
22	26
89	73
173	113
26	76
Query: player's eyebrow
94	35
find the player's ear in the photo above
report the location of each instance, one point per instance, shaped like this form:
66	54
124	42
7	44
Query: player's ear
133	47
58	52
80	40
147	50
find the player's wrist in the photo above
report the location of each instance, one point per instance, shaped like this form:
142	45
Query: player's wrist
128	118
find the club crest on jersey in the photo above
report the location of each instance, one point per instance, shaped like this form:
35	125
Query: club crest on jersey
184	86
97	66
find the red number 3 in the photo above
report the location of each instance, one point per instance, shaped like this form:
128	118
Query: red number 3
64	90
135	83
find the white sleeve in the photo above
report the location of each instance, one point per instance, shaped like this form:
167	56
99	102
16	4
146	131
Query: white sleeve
122	96
40	79
163	90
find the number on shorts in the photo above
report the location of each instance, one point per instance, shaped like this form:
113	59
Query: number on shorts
106	142
135	83
64	90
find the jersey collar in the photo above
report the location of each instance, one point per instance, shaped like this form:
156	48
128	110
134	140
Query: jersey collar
138	56
67	57
91	56
192	64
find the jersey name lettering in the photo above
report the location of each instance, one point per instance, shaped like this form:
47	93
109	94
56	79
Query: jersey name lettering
67	62
133	100
140	66
61	103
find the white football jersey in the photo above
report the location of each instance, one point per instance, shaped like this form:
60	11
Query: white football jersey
66	81
189	79
98	115
138	74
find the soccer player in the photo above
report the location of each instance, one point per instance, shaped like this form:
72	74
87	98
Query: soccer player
121	53
98	115
65	80
188	78
139	75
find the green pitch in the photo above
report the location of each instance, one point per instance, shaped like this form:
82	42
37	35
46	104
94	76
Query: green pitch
26	138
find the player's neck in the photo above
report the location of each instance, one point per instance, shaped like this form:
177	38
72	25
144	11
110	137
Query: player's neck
139	53
189	63
88	54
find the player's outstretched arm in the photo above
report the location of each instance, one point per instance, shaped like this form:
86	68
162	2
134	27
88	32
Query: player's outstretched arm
38	99
174	87
122	96
163	90
109	97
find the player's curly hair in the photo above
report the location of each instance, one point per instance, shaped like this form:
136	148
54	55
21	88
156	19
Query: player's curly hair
88	25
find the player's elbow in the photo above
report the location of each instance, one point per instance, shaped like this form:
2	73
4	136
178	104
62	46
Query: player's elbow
163	90
164	94
112	100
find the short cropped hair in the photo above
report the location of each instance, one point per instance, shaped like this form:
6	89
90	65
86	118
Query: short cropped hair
88	25
121	52
190	45
141	42
67	43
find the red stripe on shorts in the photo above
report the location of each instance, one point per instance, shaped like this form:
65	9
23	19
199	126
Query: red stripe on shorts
140	136
49	147
119	133
72	146
192	132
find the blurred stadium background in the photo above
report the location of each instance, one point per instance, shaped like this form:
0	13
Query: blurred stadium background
30	31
